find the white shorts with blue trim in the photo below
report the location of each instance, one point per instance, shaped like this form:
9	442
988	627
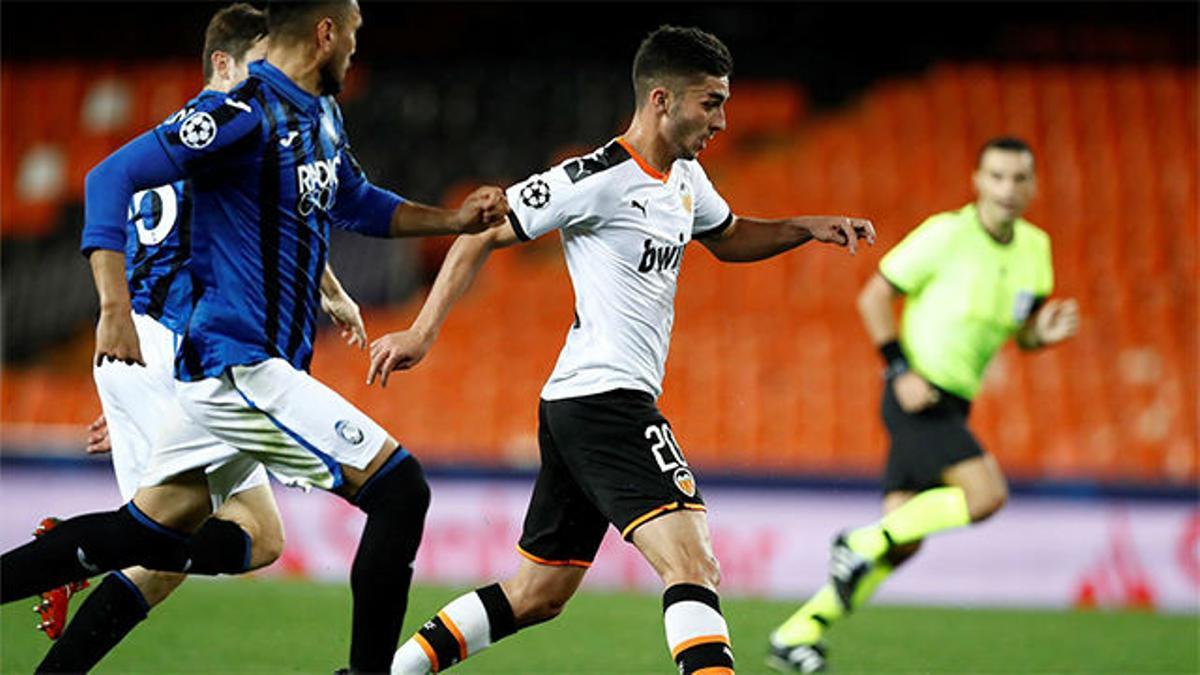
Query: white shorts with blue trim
301	430
141	407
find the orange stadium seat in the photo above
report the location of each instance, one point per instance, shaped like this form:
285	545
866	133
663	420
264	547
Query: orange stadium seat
58	108
770	370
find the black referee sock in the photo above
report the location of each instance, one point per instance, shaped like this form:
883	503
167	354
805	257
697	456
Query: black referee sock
88	545
395	500
100	623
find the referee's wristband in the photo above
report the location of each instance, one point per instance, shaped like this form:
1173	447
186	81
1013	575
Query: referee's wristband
893	358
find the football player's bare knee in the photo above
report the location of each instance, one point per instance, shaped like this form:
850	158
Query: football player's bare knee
182	503
896	499
539	593
255	511
984	503
983	484
677	546
700	568
154	586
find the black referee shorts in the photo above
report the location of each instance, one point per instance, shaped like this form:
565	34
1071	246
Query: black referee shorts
606	458
926	443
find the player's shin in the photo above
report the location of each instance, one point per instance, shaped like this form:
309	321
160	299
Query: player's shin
100	623
395	500
696	632
466	626
88	545
808	625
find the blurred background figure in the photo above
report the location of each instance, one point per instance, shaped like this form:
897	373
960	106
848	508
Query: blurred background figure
971	279
871	109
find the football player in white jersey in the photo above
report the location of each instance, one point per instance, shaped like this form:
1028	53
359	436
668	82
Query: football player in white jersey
624	213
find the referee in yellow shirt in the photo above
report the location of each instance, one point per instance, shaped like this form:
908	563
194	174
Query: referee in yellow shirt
970	278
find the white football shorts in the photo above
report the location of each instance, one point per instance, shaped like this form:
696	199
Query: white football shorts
142	407
301	430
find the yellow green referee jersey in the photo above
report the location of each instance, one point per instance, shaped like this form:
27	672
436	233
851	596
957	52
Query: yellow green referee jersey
966	293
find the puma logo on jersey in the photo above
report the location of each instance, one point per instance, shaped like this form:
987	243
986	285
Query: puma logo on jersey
641	207
287	142
659	258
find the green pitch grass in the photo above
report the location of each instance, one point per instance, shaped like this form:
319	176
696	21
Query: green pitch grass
263	626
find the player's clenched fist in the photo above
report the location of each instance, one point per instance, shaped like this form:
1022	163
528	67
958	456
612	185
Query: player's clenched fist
485	208
396	351
117	339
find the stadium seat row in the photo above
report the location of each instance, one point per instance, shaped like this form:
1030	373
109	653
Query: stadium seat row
770	370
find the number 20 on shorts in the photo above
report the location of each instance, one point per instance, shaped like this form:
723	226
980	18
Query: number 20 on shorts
664	443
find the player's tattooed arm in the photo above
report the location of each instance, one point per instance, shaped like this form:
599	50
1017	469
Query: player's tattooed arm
751	239
404	349
342	309
483	209
1053	322
116	336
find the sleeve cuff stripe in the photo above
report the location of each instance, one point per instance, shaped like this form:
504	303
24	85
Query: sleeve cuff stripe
516	226
716	231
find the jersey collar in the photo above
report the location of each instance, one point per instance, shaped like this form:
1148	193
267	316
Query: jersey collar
641	162
283	84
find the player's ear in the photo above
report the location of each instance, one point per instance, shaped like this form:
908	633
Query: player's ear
660	99
326	30
222	64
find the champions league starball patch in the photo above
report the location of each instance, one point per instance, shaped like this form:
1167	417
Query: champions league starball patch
198	130
535	194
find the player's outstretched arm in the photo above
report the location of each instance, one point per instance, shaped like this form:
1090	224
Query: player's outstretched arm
404	349
483	209
1053	322
751	239
342	308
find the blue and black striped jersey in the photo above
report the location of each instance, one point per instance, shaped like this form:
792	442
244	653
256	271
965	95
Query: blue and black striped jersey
271	171
157	250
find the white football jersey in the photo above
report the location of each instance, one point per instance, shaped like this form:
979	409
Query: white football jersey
623	227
